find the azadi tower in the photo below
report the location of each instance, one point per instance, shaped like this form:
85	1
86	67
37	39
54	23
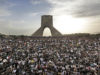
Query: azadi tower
47	21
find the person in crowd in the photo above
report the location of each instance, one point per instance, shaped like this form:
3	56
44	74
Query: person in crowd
49	56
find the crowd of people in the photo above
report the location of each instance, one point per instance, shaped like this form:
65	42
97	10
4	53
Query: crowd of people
49	55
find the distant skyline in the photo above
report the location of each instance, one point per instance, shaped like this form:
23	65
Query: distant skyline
23	17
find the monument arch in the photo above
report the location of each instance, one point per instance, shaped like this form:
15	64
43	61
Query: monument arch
47	21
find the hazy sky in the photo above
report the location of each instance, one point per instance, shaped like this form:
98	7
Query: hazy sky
70	16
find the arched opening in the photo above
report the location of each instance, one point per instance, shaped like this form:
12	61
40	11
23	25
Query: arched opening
47	32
